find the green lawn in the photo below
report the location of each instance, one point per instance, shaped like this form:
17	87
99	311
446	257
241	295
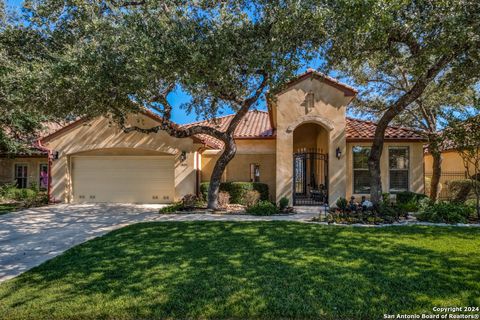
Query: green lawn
252	270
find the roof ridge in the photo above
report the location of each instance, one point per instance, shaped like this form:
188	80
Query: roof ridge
313	72
332	79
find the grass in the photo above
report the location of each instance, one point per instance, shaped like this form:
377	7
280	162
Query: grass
252	270
7	207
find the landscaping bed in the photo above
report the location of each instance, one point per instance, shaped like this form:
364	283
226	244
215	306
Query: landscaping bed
246	200
261	270
13	198
404	207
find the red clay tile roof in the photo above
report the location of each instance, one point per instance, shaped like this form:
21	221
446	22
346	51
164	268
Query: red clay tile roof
256	125
357	129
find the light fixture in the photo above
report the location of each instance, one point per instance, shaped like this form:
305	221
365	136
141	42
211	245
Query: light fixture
55	155
183	156
338	153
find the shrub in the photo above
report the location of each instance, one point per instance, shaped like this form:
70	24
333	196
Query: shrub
461	190
13	193
447	212
263	208
237	190
27	197
283	203
386	197
223	199
410	206
472	203
251	198
409	197
190	201
342	203
177	206
388	212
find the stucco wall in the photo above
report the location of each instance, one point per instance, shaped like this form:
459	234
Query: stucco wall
310	136
290	111
7	167
100	135
259	151
451	162
416	175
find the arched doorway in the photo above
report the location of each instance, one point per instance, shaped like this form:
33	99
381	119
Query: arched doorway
310	165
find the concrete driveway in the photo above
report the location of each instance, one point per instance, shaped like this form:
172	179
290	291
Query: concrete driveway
30	237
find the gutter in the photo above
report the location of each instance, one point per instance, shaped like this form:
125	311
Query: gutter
49	155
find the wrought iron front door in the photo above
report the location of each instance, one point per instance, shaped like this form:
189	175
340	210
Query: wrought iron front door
310	178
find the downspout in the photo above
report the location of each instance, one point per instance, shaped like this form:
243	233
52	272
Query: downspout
198	170
49	184
197	178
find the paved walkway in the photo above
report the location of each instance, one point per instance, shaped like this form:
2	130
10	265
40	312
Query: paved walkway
30	237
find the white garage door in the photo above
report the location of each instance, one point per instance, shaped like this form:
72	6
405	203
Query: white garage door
124	179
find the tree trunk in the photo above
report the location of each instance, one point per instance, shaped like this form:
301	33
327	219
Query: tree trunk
393	110
215	179
436	174
375	173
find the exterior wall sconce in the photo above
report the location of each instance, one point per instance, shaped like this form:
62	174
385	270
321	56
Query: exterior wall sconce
338	153
55	155
183	156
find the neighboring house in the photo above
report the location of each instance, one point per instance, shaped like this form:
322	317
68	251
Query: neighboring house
30	167
304	148
453	168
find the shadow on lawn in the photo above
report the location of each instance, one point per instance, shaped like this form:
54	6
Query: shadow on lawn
244	270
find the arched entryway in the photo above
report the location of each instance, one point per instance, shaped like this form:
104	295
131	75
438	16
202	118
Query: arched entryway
310	164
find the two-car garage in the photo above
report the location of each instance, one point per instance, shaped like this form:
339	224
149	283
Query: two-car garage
123	179
94	160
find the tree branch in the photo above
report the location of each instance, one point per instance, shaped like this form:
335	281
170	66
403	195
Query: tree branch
247	103
181	132
407	38
161	97
416	91
178	132
389	83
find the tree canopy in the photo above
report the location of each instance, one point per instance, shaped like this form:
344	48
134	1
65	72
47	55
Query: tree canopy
117	57
18	125
396	50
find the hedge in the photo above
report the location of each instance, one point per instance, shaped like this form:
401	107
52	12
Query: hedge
237	190
408	196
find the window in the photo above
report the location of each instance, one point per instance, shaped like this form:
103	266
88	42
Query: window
398	164
21	175
43	176
361	175
254	172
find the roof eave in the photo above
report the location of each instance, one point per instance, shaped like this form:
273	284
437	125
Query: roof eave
387	140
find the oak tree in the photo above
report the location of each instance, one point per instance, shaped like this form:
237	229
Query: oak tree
380	44
464	134
121	57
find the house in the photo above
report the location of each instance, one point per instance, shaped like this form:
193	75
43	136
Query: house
452	168
304	148
31	166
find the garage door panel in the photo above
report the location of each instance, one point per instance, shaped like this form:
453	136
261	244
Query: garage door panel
143	179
